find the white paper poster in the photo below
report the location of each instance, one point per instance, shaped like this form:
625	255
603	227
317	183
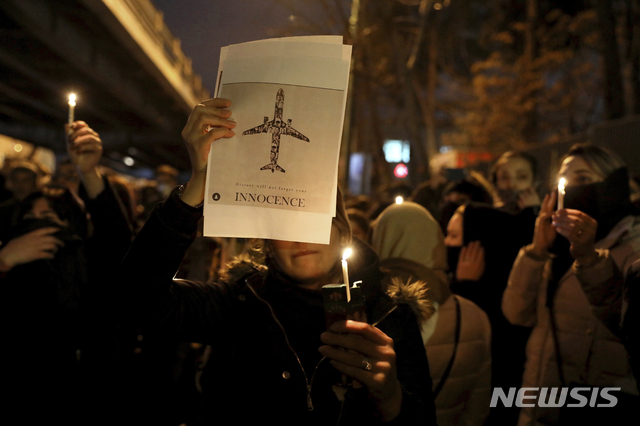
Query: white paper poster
277	178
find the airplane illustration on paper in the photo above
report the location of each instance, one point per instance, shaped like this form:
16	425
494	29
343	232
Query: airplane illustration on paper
276	127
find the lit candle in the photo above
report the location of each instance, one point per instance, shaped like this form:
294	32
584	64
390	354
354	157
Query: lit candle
345	271
561	184
72	105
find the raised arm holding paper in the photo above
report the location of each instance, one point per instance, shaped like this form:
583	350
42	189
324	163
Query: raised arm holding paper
273	358
208	121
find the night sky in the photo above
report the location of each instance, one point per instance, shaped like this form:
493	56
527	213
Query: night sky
204	26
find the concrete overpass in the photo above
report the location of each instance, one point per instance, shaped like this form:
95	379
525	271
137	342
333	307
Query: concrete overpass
133	82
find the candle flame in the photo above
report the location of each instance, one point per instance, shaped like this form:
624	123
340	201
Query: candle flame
561	183
72	99
347	252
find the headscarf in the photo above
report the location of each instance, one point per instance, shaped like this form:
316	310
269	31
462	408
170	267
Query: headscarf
499	234
408	231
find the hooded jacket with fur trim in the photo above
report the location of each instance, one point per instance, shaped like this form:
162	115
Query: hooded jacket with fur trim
264	332
465	395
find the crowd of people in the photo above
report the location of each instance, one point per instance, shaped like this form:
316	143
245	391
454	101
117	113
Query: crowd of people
121	312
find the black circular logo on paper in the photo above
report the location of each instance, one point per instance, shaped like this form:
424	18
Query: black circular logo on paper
215	196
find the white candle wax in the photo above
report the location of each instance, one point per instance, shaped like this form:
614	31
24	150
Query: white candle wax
72	105
345	272
561	185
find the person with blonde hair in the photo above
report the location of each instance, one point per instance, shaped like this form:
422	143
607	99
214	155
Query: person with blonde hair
572	253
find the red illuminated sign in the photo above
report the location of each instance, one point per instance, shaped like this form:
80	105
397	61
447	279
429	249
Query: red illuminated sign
401	171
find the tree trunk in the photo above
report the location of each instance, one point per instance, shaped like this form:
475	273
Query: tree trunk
411	113
530	131
432	83
634	54
427	101
531	42
348	130
614	94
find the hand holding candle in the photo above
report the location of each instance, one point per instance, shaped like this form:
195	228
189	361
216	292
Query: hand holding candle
335	306
561	185
72	105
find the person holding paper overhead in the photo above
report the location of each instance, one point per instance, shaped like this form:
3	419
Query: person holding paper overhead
272	357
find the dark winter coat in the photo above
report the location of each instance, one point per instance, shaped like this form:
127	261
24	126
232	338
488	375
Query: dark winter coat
265	333
61	335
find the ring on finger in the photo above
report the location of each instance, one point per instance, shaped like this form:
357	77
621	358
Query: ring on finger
366	364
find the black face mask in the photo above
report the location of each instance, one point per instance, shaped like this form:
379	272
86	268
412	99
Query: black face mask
607	202
453	254
509	200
